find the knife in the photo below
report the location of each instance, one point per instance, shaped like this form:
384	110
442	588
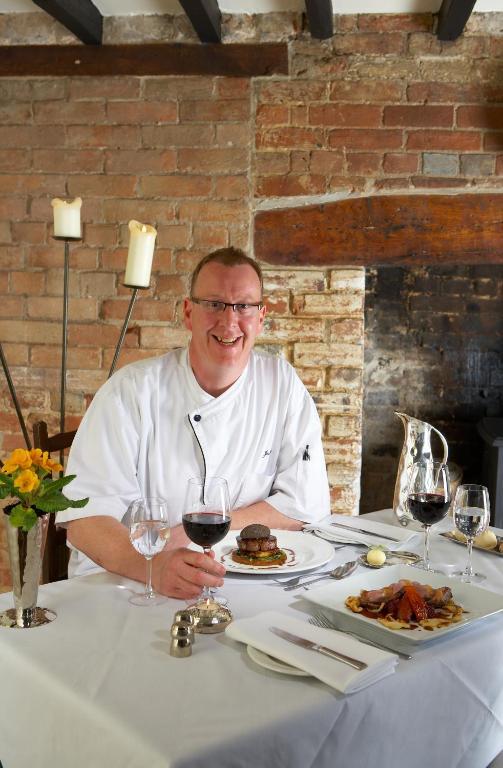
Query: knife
362	530
355	663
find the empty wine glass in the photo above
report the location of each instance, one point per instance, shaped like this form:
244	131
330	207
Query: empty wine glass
428	498
207	515
148	532
471	517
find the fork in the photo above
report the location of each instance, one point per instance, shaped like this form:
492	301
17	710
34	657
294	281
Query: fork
295	580
319	620
337	573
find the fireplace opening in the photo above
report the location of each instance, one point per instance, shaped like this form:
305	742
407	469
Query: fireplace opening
434	350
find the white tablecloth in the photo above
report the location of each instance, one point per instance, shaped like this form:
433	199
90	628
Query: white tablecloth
97	687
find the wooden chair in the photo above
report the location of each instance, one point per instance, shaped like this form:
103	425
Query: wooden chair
55	563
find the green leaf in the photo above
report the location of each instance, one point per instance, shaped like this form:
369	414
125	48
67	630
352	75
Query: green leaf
23	517
57	502
56	485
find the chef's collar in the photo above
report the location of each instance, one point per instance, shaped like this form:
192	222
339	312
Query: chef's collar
200	396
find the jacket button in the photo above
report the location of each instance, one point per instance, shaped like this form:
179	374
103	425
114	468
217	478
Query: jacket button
197	417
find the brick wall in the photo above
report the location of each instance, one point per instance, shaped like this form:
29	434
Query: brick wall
381	106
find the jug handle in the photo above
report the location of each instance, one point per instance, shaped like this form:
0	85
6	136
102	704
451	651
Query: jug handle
444	444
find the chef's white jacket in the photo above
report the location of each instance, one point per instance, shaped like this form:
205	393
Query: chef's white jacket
151	427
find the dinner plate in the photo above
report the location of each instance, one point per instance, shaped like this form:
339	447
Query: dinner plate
303	552
275	665
477	602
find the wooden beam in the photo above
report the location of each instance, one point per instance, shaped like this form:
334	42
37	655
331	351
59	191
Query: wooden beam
79	16
452	17
206	19
320	18
385	230
230	60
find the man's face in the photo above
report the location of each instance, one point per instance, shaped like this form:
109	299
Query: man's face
221	342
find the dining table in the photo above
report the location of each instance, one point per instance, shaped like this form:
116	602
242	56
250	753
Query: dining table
98	686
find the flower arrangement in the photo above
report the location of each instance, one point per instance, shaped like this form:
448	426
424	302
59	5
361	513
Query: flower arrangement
27	476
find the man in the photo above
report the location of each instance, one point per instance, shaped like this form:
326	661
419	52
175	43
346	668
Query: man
215	409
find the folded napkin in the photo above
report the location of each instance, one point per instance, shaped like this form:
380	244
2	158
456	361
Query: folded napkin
374	528
256	632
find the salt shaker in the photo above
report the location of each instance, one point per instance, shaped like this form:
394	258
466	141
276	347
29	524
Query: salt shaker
181	640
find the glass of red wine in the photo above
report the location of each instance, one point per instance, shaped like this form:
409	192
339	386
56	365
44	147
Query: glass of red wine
428	498
207	515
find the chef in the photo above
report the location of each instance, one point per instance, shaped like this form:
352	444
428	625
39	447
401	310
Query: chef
217	408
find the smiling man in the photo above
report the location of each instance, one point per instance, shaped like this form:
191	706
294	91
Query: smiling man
217	408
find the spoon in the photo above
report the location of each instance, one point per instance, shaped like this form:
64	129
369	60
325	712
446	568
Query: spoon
338	573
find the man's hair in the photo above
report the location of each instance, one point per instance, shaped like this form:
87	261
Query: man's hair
230	257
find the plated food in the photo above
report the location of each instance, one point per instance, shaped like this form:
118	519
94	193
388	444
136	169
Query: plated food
407	605
258	547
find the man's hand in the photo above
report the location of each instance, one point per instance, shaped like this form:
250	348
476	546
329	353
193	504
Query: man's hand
177	571
183	573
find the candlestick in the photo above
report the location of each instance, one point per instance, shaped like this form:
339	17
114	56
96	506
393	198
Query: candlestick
66	217
140	254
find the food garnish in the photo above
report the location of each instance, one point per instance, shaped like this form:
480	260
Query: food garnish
407	605
376	556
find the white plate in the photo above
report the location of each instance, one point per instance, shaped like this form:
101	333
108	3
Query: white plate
479	604
303	552
275	665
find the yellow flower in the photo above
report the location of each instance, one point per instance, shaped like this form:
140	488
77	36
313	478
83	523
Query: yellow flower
38	457
51	466
9	468
19	459
27	481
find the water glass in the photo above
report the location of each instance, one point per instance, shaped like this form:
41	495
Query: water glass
471	517
148	532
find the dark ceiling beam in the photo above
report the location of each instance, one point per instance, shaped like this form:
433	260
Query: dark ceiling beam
386	230
231	60
81	17
205	17
452	17
320	17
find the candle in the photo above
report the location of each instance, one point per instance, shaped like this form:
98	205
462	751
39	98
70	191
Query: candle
66	217
140	254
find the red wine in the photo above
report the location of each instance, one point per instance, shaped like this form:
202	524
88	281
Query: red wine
428	508
205	528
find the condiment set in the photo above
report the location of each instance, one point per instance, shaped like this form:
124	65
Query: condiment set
182	635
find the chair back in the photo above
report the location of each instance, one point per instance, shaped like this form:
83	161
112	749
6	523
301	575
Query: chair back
56	555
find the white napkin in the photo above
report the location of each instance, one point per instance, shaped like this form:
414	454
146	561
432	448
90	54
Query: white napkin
374	528
256	631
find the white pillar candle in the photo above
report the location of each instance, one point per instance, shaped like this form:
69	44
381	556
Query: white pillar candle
140	254
66	217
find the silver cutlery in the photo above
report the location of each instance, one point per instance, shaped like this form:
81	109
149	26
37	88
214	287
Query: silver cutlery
295	580
310	645
362	530
337	573
318	620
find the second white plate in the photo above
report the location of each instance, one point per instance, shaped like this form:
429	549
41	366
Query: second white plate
303	553
478	604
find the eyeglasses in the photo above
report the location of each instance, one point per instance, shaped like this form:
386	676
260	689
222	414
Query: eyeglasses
216	307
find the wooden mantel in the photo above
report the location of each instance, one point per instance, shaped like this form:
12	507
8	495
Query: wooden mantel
384	230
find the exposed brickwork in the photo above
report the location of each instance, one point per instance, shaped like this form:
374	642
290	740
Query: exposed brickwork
382	105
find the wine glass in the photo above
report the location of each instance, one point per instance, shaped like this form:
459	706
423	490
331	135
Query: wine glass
428	498
207	515
148	532
471	517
